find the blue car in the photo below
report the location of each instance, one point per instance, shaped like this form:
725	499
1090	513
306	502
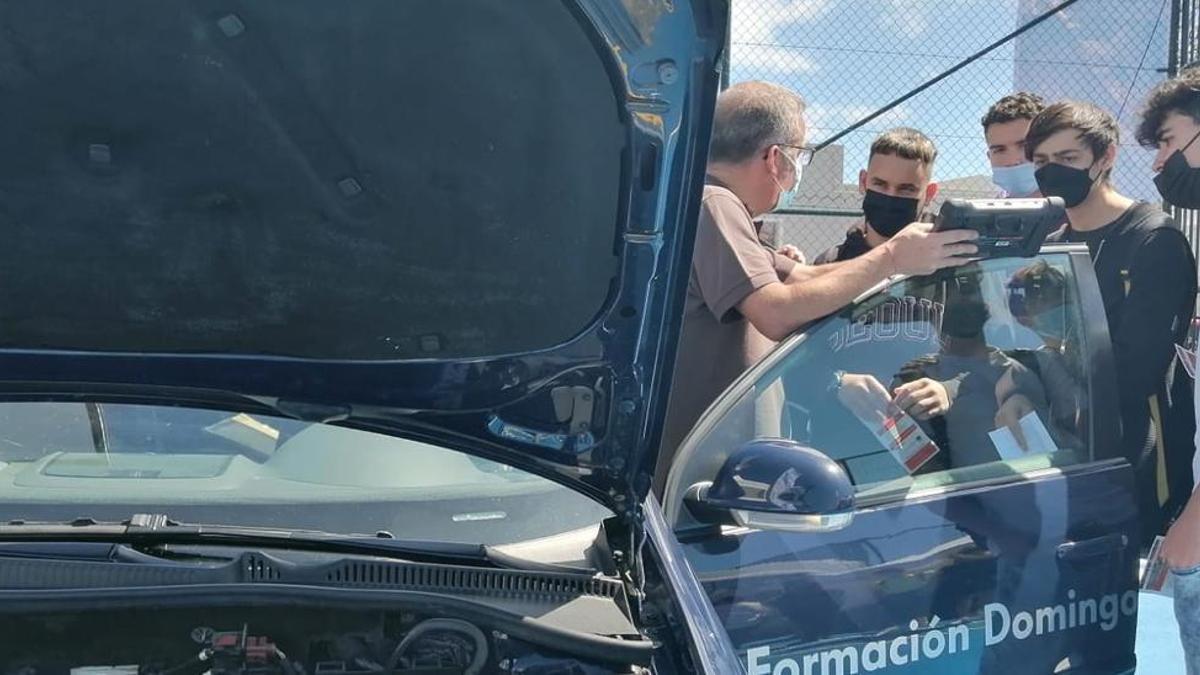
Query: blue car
337	339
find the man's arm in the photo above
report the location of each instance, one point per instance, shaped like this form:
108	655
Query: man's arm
1181	549
804	272
801	273
778	309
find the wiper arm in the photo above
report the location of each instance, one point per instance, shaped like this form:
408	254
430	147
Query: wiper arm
157	529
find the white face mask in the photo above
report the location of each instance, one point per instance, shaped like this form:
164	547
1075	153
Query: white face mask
786	197
1016	181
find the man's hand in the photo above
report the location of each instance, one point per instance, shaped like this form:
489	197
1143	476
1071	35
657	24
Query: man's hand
864	396
923	398
1010	414
1181	548
792	252
917	249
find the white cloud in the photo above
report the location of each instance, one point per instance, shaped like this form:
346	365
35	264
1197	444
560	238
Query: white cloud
907	17
828	119
760	21
769	61
760	45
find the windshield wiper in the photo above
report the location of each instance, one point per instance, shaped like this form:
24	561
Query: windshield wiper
157	529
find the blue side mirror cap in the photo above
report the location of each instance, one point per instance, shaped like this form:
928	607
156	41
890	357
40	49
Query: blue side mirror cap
780	484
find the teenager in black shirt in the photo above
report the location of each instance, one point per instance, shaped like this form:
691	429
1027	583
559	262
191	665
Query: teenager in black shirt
1147	276
1171	125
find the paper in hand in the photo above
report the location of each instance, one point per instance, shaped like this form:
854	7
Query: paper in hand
1005	442
900	434
1037	439
1156	575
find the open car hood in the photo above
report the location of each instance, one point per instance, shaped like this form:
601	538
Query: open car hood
465	222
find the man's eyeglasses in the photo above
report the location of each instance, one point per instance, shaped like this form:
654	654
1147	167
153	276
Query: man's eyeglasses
804	158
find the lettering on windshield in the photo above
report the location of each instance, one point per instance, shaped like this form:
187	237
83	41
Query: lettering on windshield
907	318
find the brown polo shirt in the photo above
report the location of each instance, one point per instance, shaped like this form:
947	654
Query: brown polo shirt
717	343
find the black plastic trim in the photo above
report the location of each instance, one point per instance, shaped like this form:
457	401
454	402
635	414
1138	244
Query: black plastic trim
258	568
534	631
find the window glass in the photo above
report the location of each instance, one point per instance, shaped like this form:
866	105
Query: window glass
968	374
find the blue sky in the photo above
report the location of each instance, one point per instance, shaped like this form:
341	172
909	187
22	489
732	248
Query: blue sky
848	57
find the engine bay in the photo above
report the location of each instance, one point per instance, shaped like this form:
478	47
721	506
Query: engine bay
305	639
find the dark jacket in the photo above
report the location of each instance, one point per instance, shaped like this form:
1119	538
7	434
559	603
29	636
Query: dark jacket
1147	276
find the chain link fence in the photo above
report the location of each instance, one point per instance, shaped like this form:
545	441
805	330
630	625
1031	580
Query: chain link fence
849	58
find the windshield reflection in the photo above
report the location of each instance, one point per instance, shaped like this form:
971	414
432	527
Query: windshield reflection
61	460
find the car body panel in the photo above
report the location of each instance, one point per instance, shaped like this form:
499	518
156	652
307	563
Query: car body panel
971	560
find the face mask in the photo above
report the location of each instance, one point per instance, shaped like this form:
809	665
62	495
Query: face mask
887	215
1179	183
1016	181
787	197
1058	180
964	319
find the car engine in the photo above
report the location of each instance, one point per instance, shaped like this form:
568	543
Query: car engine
277	641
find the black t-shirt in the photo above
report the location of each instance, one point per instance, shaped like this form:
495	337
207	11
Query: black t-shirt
854	246
1147	277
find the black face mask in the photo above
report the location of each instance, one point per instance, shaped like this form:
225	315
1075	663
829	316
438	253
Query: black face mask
1058	180
887	215
1179	183
964	319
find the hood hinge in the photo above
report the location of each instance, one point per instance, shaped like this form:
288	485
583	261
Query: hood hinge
625	536
575	406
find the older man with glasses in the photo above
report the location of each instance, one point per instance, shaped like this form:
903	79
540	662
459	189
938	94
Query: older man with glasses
743	297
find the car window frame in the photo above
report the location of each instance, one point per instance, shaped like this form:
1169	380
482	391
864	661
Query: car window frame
1103	421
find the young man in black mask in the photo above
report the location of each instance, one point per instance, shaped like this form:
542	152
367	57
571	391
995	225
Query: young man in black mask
1147	276
895	187
1171	124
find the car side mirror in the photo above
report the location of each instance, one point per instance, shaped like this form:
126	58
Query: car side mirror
776	484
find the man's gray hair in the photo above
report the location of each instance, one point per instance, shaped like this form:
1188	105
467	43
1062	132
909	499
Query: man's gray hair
753	115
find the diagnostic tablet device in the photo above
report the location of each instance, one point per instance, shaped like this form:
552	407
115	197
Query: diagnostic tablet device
1006	227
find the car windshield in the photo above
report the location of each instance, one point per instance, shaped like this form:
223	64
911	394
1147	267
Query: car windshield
60	461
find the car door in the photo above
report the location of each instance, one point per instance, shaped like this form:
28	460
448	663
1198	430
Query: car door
1007	544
